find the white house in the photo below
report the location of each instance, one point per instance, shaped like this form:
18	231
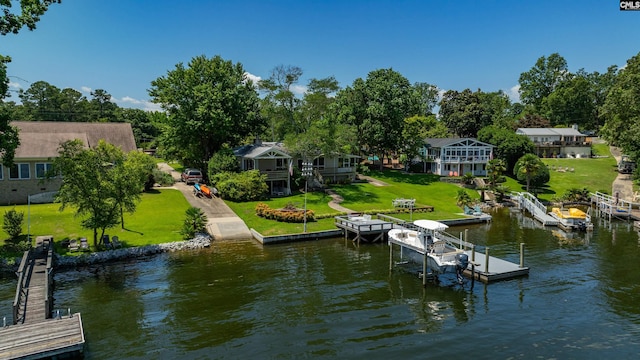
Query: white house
456	157
558	142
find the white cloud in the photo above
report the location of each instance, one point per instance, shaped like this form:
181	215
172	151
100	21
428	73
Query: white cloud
85	89
145	105
254	78
14	86
298	89
514	93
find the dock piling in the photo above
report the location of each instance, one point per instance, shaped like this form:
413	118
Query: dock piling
521	255
486	260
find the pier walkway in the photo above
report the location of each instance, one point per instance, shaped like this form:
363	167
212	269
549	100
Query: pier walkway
34	335
529	202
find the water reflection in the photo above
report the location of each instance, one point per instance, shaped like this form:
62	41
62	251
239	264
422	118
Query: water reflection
330	299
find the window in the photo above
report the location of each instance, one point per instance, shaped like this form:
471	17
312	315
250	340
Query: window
42	169
19	171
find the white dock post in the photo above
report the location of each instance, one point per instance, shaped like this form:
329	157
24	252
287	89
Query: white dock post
486	260
521	255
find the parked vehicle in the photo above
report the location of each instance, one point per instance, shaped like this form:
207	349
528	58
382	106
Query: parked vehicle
626	165
191	176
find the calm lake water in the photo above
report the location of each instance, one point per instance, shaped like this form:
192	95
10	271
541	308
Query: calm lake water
330	299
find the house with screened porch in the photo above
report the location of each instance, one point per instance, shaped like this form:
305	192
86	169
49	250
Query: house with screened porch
455	157
273	160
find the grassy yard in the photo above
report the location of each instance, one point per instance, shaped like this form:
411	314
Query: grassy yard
595	174
359	197
158	219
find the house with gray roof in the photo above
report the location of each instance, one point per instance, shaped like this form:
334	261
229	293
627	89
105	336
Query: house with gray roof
455	156
39	144
273	160
558	142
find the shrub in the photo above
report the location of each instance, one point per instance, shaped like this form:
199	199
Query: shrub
195	221
162	178
13	223
284	215
245	186
223	161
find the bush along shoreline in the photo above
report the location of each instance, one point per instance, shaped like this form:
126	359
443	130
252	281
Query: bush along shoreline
200	241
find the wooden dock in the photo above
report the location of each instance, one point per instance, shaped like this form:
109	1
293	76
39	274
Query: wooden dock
364	228
489	268
485	268
43	339
34	335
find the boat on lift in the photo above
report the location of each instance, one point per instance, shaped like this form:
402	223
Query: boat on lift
426	240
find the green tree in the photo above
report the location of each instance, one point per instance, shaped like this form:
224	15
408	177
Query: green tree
211	103
30	12
11	22
98	182
386	98
464	113
427	97
543	78
621	109
281	105
223	161
495	169
532	170
573	102
12	224
509	146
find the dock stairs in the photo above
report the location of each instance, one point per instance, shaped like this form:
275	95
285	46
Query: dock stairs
529	202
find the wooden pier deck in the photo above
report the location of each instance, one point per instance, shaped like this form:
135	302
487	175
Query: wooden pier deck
34	335
497	269
42	339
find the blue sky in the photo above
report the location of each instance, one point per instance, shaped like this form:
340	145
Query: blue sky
122	45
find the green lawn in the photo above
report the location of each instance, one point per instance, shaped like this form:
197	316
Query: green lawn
158	219
359	197
595	174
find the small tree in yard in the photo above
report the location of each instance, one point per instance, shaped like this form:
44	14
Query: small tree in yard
195	221
13	223
100	183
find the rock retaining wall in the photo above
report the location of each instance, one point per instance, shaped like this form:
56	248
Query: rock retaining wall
199	242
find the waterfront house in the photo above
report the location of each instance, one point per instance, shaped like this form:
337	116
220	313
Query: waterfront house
558	142
39	145
455	156
273	160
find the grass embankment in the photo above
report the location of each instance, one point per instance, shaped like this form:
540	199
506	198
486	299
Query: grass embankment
595	174
158	219
361	197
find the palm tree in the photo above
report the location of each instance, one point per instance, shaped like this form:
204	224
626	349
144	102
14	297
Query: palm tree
529	165
495	169
195	221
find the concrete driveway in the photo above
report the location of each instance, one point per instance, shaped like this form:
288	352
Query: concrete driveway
223	223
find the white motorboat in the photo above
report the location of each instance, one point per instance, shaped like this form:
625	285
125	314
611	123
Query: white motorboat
428	241
572	219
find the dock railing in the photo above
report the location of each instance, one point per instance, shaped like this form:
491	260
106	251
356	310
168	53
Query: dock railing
17	315
48	289
451	239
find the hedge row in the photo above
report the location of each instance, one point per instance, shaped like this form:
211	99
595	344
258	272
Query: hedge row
293	216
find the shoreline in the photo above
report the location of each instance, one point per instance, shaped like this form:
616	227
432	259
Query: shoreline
64	262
